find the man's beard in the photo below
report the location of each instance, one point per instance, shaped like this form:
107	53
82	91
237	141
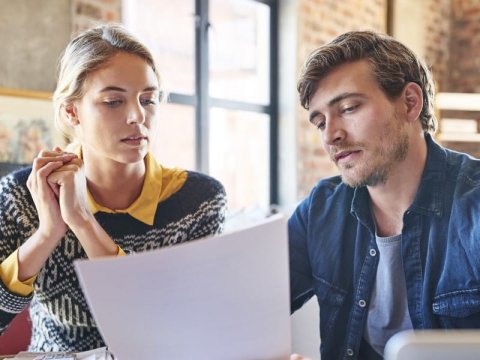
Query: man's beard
392	150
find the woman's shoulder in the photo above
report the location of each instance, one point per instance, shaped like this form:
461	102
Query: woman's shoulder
13	189
199	183
18	176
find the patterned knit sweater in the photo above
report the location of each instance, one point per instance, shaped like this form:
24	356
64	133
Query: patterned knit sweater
61	320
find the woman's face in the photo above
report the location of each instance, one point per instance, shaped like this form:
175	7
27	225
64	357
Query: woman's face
115	118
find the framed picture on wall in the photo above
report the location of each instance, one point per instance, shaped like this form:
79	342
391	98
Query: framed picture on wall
26	125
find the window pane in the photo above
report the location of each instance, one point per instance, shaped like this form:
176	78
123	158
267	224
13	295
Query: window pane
239	156
239	50
174	144
168	29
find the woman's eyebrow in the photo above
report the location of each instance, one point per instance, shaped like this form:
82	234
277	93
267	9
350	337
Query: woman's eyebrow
117	88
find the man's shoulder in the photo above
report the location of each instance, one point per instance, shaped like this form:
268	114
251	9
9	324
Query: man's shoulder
462	166
329	194
331	186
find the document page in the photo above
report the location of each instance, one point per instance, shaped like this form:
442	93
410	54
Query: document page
225	297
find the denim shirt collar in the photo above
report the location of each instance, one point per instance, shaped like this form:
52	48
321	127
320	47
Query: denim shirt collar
429	198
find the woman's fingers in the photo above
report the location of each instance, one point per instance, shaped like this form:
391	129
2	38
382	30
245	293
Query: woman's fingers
45	157
72	165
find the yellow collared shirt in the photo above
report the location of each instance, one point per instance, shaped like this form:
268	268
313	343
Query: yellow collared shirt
159	184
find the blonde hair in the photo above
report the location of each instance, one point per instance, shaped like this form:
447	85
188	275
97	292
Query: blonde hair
87	52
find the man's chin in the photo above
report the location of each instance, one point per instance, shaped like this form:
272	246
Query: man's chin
371	180
351	183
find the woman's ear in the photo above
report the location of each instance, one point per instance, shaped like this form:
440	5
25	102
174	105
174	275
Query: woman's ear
413	96
71	111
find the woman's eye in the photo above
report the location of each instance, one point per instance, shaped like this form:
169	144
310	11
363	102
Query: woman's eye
149	101
112	103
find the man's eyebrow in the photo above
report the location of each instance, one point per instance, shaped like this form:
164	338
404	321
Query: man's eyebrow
335	100
343	96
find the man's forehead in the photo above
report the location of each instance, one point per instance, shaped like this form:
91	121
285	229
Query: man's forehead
352	79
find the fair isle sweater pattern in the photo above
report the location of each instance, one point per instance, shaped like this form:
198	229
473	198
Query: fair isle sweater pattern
61	320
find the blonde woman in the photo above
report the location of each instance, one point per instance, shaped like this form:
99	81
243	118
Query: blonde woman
106	197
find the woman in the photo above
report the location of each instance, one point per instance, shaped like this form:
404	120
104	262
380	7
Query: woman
107	197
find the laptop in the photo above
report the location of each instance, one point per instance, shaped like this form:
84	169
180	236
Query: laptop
434	344
224	297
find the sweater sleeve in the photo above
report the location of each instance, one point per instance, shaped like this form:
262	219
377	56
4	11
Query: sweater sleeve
18	221
9	276
210	216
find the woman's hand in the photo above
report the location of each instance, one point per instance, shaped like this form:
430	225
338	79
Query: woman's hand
35	251
70	186
44	194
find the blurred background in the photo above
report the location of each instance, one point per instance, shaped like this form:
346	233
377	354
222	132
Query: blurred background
230	67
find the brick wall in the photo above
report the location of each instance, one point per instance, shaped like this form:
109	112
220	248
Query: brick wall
465	46
321	20
318	22
437	43
464	74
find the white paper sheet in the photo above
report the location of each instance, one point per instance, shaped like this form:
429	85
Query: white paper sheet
95	354
225	298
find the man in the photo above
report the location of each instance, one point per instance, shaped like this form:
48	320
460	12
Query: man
393	242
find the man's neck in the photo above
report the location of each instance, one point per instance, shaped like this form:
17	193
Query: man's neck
391	199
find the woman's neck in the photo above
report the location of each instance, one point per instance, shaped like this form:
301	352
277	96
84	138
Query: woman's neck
115	185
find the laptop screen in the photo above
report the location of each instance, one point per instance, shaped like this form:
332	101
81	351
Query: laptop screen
434	345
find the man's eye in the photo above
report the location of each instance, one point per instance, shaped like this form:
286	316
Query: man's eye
320	125
349	109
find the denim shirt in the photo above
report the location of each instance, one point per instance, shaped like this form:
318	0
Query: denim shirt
333	253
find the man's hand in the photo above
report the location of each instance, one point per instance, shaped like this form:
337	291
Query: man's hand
298	357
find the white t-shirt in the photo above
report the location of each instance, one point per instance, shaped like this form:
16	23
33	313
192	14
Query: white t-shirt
388	310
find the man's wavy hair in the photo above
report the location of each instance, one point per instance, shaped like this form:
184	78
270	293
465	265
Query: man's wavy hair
392	64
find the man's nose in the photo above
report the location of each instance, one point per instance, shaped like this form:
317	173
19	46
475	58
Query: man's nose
333	132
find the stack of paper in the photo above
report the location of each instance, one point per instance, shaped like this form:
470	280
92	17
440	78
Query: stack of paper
97	354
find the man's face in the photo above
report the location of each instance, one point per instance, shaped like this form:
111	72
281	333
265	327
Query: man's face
363	131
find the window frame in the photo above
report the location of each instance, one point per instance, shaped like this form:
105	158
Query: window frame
202	101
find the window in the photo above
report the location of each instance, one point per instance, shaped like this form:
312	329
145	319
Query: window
218	61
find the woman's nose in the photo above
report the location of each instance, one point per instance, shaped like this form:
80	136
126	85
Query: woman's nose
136	114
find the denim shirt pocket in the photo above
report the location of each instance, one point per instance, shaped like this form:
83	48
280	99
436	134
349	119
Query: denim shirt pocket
458	309
330	299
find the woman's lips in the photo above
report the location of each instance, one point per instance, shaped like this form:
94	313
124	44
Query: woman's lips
134	140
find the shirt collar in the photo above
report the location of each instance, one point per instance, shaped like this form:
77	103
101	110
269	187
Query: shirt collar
429	197
159	184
